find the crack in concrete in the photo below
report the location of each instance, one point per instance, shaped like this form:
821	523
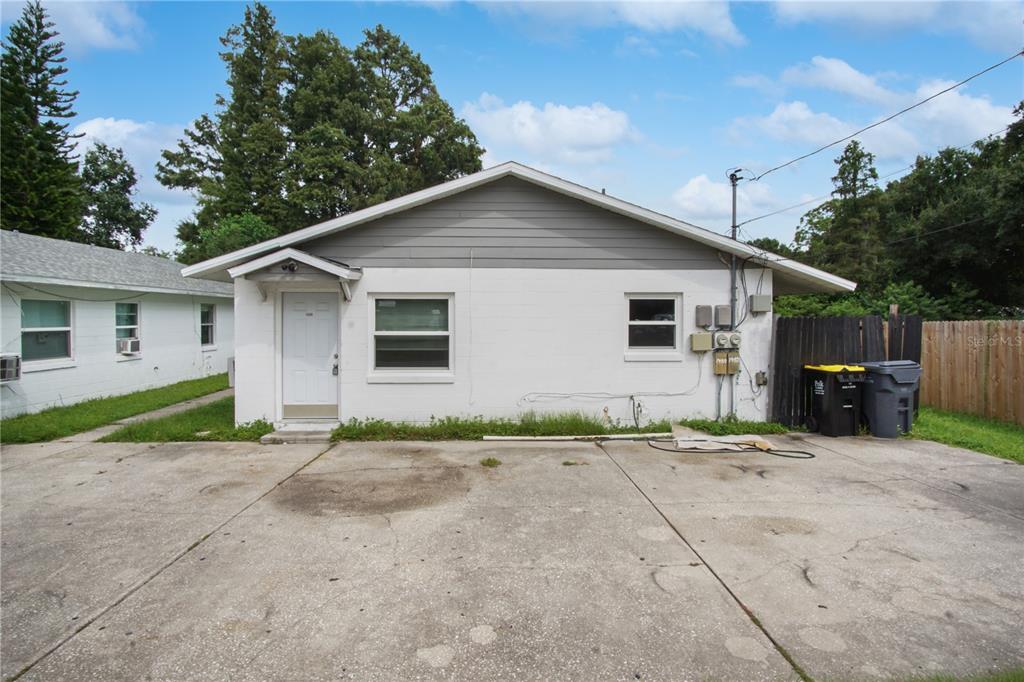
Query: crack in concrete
746	610
43	655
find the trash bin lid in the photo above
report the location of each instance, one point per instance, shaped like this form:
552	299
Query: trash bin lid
835	369
902	371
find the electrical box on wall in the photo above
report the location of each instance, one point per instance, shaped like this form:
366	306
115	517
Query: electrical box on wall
727	361
703	316
760	303
701	341
723	318
726	340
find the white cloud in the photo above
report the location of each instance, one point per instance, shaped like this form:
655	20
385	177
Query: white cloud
142	143
756	81
837	75
993	25
702	199
953	118
107	25
796	122
553	133
710	18
633	44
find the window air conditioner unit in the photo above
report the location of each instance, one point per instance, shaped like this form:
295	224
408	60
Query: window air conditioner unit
129	346
10	367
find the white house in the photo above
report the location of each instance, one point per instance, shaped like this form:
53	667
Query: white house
85	322
497	293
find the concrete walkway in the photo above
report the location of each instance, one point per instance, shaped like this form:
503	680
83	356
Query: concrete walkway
95	434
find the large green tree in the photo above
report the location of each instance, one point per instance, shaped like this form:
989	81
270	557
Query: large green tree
310	130
842	235
38	168
945	241
234	161
112	217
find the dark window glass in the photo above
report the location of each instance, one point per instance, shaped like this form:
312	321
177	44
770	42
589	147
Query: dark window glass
45	345
652	310
412	352
652	336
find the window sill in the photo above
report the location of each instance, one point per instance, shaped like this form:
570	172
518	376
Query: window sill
653	356
46	365
128	358
410	378
208	349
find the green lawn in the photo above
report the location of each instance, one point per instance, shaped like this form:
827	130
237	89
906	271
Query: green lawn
968	431
1006	676
475	428
736	427
215	421
58	422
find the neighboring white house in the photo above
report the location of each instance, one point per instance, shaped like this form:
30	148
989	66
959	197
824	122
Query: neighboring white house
86	322
494	294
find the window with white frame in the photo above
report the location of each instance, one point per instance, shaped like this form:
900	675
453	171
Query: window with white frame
207	323
126	321
45	329
652	322
412	332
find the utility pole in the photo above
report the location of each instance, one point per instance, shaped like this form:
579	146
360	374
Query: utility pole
734	178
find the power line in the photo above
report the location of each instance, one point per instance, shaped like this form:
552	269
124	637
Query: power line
881	177
892	116
941	229
821	198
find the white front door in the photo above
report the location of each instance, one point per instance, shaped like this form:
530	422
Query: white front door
310	355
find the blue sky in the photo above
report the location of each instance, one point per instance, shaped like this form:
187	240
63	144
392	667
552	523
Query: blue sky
652	101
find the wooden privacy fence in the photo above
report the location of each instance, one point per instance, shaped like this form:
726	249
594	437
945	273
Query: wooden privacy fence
975	367
803	341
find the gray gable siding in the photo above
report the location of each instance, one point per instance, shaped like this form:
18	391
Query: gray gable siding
510	223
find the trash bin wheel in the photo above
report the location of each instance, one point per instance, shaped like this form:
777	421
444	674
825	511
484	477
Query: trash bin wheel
812	424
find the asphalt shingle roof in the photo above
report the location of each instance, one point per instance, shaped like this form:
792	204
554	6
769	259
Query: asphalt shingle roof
27	257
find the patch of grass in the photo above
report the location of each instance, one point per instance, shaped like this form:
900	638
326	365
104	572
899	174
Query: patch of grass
58	422
1005	676
212	422
490	462
475	428
736	427
989	436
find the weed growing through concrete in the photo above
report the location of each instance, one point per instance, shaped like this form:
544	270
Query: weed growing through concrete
490	462
573	463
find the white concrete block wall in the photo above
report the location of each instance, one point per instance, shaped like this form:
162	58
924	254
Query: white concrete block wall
518	331
171	349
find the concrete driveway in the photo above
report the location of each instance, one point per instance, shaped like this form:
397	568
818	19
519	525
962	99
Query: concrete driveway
402	561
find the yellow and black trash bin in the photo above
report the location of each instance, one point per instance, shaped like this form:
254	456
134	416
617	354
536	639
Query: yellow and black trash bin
834	398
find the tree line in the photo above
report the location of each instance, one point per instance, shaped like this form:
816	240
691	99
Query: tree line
945	241
308	130
47	190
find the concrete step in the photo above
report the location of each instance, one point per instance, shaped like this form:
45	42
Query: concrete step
293	436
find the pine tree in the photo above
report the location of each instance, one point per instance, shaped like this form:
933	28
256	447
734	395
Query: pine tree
310	130
112	219
235	160
38	169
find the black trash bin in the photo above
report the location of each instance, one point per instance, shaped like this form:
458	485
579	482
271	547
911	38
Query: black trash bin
834	397
889	396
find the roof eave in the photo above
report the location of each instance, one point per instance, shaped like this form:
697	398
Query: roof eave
819	279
